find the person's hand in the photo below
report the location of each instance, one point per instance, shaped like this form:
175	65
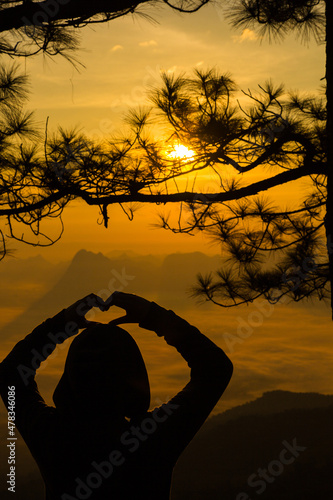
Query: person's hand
136	307
77	311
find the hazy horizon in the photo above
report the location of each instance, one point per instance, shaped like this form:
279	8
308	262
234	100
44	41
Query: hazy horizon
283	346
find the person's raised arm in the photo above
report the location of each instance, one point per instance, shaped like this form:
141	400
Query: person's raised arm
204	357
18	369
211	369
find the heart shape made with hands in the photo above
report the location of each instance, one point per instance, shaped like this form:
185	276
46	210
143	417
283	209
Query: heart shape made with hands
109	302
136	307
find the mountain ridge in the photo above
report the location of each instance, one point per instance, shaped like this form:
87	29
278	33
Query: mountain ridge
94	272
223	455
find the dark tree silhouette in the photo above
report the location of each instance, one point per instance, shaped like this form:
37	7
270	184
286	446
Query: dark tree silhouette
29	27
305	17
268	250
278	136
274	139
51	26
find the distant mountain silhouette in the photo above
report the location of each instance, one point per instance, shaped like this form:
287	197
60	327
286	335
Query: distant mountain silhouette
130	254
274	402
24	280
165	281
178	273
36	269
224	458
231	448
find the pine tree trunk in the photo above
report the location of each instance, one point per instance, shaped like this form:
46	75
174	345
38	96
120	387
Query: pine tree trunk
329	94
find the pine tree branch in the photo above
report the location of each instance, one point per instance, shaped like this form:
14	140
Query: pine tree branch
70	11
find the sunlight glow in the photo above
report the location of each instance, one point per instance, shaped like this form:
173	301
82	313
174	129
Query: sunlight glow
181	152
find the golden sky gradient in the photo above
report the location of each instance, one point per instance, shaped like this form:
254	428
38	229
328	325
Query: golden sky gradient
283	346
122	60
292	348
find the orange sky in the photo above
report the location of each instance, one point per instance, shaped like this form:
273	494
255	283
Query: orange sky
290	348
121	59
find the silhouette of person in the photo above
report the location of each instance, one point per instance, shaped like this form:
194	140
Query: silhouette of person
100	441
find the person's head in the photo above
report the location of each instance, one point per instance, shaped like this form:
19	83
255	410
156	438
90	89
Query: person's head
104	370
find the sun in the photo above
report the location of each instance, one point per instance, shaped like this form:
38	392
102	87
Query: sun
181	152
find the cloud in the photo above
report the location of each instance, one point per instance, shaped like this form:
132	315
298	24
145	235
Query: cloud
247	35
116	47
173	69
150	43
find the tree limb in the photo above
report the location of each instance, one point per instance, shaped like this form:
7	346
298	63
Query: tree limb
236	194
